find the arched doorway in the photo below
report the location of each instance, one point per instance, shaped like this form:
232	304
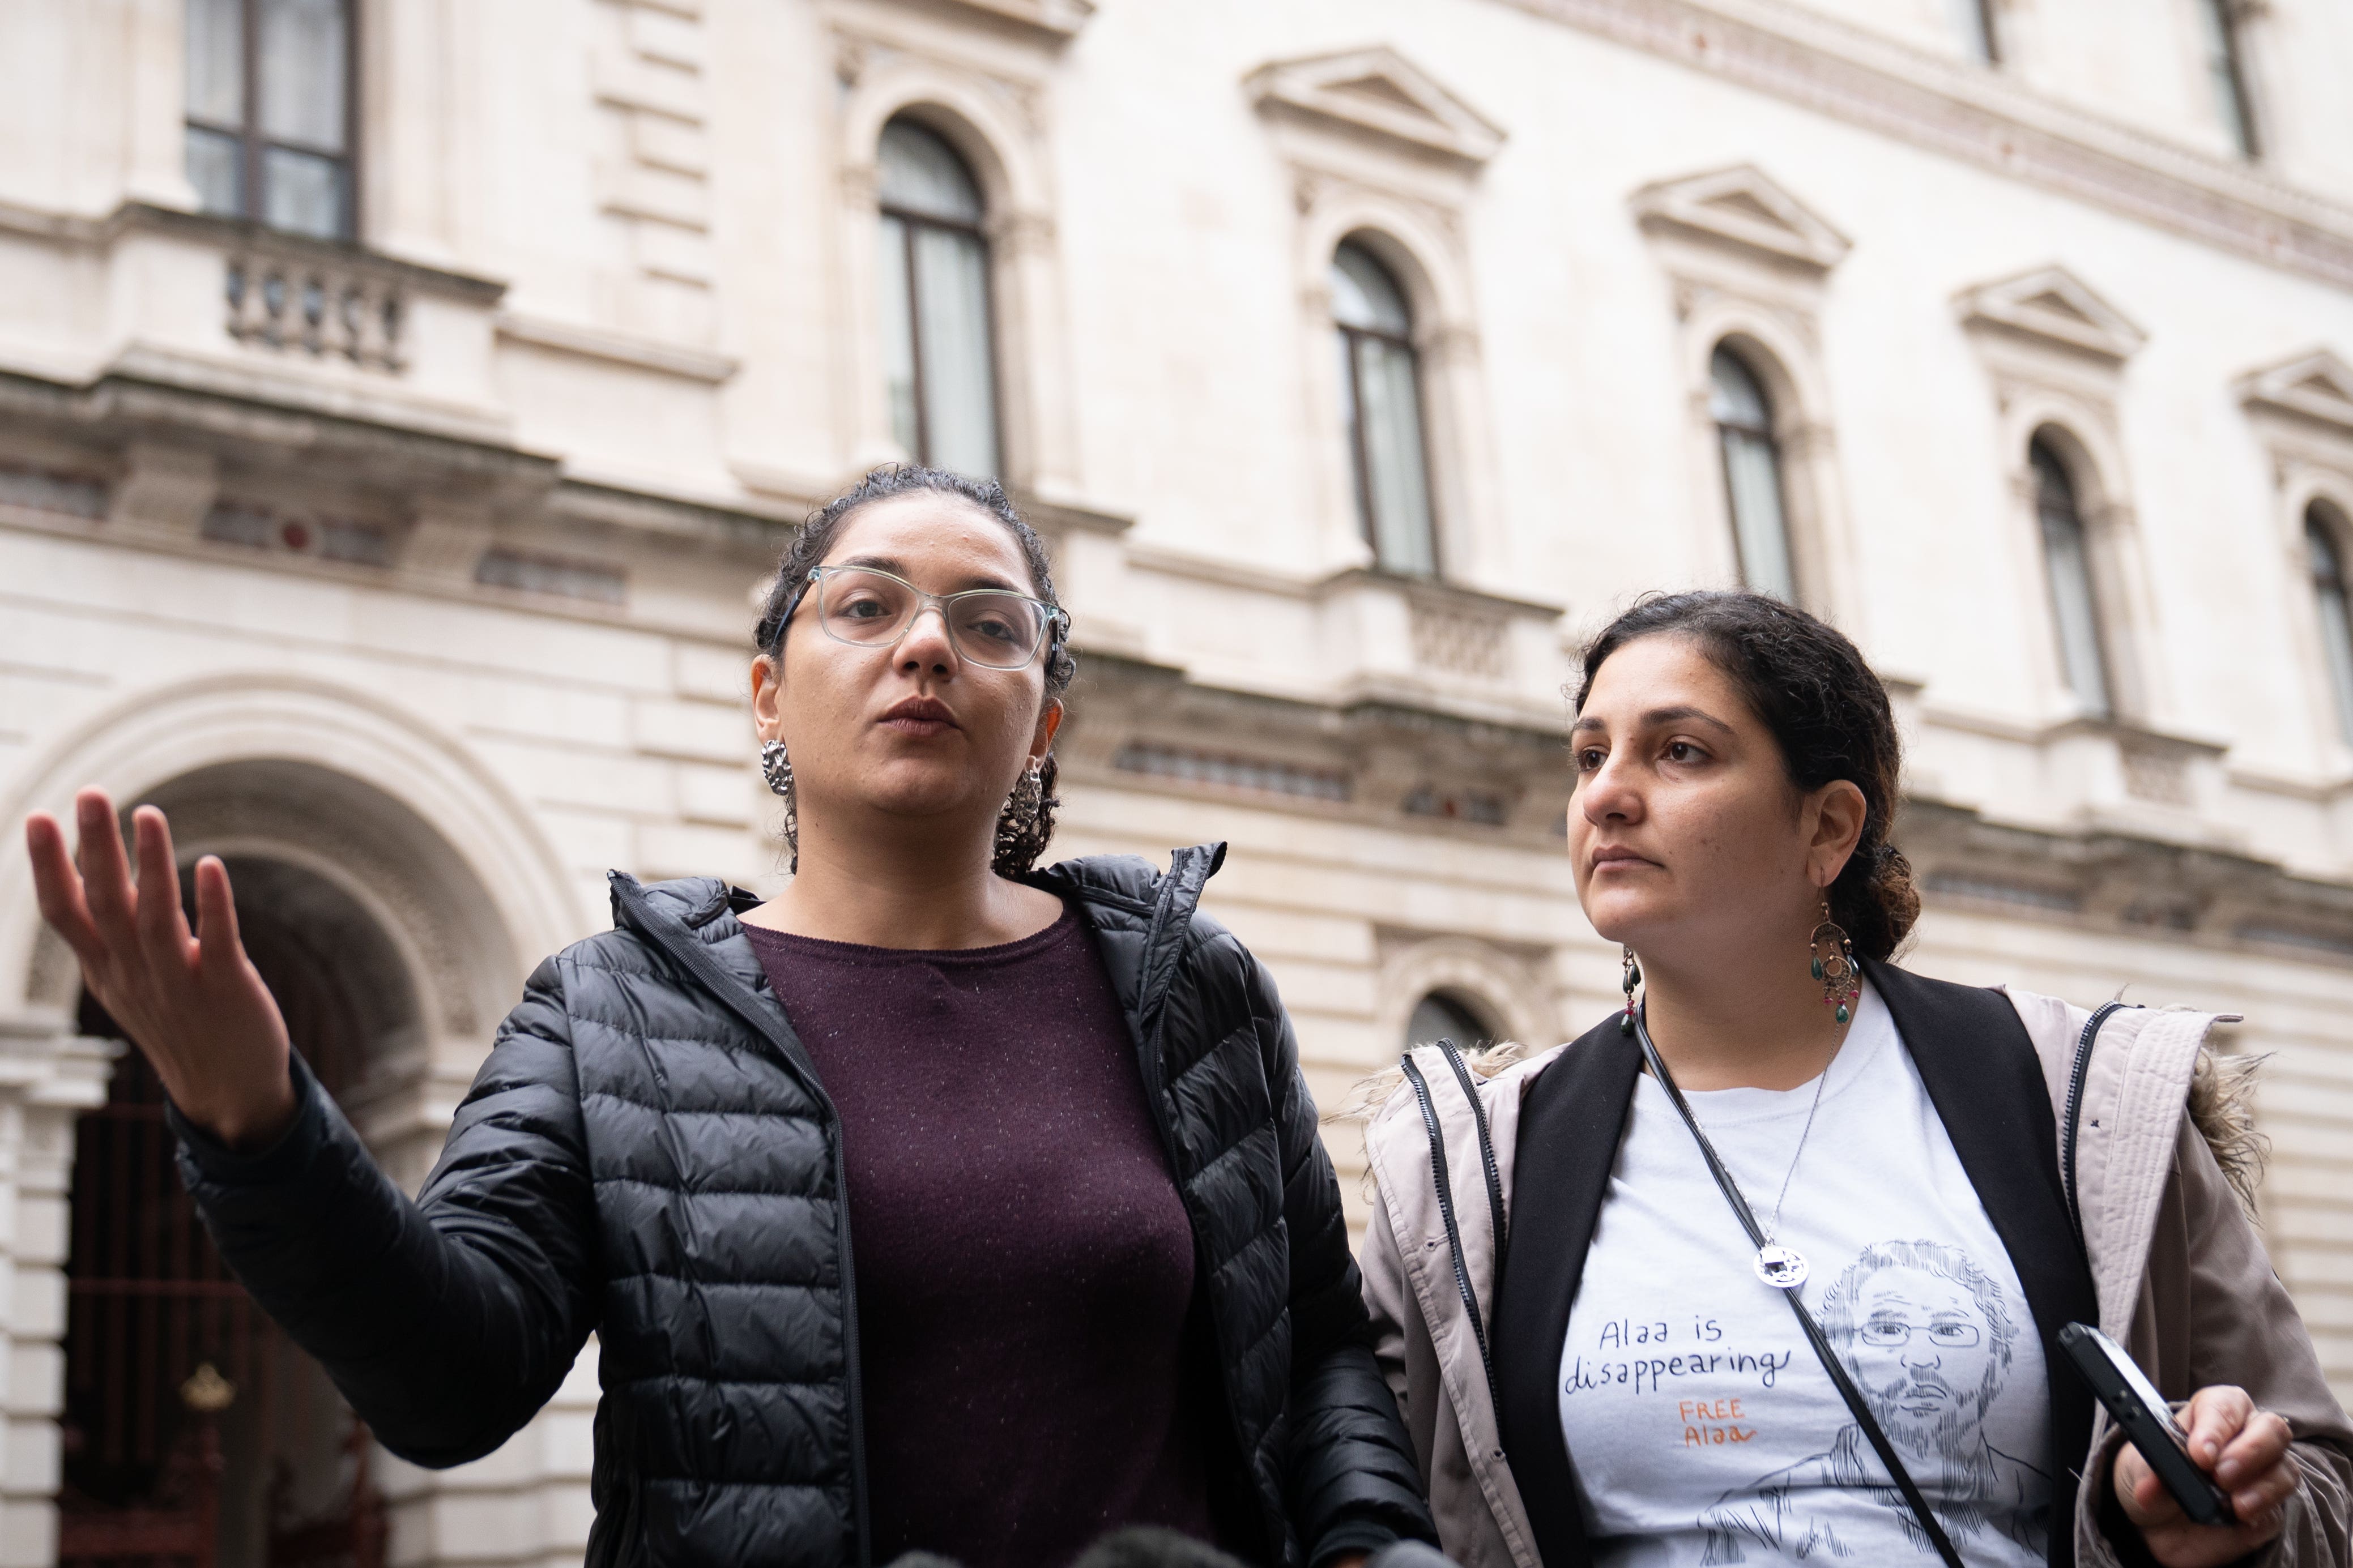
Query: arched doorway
194	1432
1449	1015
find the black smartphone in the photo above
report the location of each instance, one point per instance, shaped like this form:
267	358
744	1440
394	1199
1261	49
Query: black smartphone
2147	1420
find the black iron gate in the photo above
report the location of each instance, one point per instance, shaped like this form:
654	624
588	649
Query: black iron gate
195	1433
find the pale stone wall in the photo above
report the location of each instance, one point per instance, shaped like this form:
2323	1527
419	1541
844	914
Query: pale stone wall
634	243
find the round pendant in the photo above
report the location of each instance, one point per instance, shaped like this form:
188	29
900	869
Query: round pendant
1782	1267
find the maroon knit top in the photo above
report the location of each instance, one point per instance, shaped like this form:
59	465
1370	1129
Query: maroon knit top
1024	1263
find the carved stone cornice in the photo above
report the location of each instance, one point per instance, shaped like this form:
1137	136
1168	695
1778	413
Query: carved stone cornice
2205	896
1134	724
1376	91
1745	209
2054	307
1050	22
2315	387
1982	117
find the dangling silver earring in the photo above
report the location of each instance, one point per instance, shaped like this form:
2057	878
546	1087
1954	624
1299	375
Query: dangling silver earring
1630	976
776	767
1833	964
1018	820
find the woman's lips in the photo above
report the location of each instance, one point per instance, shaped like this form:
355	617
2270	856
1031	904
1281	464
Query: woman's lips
918	716
1618	860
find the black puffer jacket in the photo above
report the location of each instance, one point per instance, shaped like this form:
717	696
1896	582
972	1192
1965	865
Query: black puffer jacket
648	1155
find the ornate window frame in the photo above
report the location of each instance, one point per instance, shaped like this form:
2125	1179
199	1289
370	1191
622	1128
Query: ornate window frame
1507	983
1748	263
2302	412
2055	353
1380	153
982	87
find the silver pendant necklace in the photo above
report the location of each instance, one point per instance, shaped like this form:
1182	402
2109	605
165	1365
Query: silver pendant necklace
1782	1267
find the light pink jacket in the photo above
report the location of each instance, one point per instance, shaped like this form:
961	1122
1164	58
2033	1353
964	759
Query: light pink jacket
2183	1280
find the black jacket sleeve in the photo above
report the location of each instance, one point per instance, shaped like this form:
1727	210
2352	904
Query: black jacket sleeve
447	1322
1353	1483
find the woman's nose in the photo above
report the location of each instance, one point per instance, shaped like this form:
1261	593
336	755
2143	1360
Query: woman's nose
926	642
1608	795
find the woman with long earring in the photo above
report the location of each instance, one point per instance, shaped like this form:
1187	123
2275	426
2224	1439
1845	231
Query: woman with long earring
1772	1265
1100	1275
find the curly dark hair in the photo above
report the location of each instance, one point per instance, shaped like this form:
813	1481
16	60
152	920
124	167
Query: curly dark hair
1021	836
1826	709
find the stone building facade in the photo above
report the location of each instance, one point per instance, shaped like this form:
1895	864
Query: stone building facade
401	402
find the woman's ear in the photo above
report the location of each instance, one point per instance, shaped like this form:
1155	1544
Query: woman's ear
1839	814
1049	721
766	694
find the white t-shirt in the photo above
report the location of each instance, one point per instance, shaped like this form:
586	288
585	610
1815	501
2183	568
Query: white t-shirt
1702	1427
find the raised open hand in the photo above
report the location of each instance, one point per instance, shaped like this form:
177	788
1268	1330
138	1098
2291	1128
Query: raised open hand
192	1004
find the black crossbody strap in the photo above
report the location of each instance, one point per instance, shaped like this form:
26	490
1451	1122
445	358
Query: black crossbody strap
1855	1404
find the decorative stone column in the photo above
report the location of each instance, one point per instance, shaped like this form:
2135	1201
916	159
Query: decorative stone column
49	1076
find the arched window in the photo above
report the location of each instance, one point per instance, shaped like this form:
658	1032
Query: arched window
2074	597
269	112
936	349
1380	395
2325	529
1439	1017
1752	476
2226	68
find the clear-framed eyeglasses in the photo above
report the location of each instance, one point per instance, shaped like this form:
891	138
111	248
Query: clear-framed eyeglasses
868	607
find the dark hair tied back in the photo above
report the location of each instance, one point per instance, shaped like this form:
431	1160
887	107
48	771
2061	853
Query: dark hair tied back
1023	833
1830	714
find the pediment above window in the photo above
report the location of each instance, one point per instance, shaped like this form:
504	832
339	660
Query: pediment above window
1376	91
2055	306
2317	385
1052	22
1745	208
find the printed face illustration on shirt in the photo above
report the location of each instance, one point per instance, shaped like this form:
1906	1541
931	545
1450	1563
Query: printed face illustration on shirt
1926	1336
1925	1354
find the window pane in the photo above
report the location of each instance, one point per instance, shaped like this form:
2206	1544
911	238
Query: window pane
1437	1017
921	174
2222	66
899	338
1364	296
1752	476
952	335
2335	615
2074	602
1734	396
217	168
1752	483
217	62
303	60
1974	18
302	192
1390	430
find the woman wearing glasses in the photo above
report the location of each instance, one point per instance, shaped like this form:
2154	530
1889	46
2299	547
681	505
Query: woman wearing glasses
937	1204
1773	1265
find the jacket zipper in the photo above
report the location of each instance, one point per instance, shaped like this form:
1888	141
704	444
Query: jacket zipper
731	992
1151	1060
1486	1151
1446	1211
2075	1079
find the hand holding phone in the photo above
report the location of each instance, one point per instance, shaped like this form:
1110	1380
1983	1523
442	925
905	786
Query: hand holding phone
2166	1482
